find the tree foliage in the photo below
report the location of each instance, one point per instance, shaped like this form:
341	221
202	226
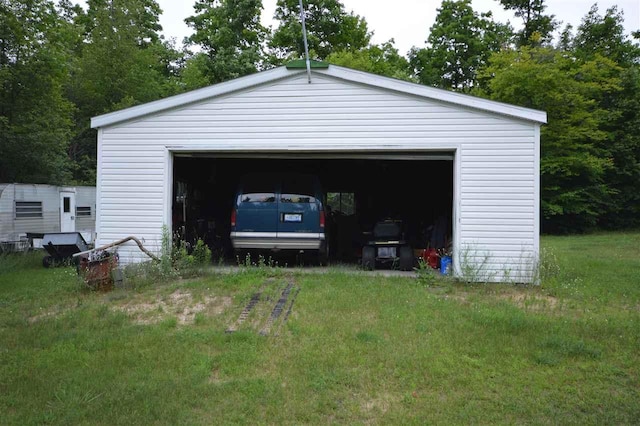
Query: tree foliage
604	36
382	59
231	36
121	63
329	29
537	28
459	42
35	116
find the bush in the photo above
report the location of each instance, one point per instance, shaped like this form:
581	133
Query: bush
201	253
177	260
426	275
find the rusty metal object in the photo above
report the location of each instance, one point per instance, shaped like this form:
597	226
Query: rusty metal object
98	274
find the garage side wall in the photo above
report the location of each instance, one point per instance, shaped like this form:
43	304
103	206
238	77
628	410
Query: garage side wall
495	200
498	207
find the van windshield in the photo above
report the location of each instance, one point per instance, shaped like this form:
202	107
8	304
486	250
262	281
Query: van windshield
298	189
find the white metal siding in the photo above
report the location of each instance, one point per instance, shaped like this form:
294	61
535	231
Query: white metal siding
86	225
495	192
497	204
6	212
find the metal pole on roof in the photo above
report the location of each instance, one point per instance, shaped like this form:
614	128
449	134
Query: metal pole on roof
304	37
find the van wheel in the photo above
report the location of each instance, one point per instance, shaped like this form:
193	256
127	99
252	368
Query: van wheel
369	258
406	258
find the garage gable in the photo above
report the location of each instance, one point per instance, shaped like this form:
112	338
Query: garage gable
329	114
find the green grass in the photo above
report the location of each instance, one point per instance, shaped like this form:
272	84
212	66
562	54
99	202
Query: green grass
602	267
356	349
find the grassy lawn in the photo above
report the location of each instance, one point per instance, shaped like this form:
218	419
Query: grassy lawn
351	349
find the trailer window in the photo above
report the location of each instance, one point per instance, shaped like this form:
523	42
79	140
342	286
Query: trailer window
83	211
28	209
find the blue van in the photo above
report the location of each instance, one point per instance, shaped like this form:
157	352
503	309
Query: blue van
279	212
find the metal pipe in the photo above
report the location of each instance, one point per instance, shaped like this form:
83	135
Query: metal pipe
304	38
116	243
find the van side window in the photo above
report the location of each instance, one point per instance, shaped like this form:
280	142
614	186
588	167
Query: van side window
259	197
299	189
259	191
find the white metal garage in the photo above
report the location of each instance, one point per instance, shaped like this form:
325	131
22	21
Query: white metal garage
494	147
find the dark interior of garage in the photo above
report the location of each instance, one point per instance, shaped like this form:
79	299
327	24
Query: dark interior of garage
361	191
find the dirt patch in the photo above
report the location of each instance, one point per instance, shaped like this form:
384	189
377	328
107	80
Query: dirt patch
48	314
180	304
214	377
532	301
372	408
524	300
377	405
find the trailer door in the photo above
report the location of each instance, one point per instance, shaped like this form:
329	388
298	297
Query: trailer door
67	211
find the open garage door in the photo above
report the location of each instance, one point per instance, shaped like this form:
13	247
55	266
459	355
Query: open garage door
360	189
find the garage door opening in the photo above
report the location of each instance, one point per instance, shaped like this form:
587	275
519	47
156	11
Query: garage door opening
416	189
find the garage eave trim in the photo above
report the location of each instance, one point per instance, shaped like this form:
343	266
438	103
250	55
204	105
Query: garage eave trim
436	94
192	96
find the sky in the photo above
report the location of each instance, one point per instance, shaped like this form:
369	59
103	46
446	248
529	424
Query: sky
408	21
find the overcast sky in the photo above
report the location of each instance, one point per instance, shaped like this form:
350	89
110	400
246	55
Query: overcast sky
408	21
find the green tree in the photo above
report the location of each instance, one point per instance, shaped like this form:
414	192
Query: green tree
624	148
35	117
537	28
382	59
573	164
194	73
123	62
329	29
229	33
604	36
460	41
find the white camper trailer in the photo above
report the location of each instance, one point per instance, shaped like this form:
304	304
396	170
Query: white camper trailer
27	211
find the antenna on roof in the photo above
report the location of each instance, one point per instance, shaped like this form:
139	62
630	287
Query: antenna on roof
306	46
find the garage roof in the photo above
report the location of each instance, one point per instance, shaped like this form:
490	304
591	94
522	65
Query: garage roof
335	71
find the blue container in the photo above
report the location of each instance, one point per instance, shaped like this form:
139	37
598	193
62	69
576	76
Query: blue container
445	265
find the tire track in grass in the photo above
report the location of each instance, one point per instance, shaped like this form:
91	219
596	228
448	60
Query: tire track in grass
255	298
286	315
277	309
